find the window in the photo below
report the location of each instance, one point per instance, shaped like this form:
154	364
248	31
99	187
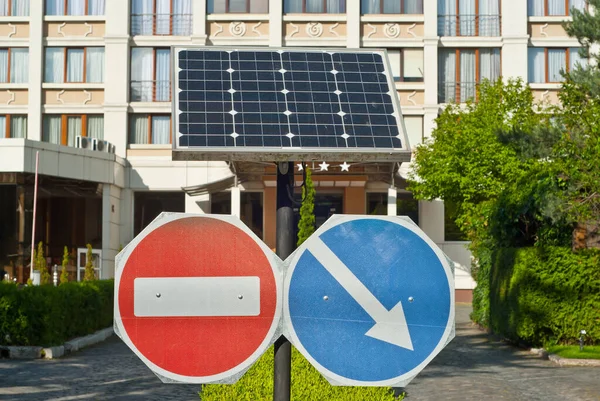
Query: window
13	126
74	64
414	130
540	8
14	65
150	129
460	70
315	6
406	205
14	8
63	129
238	6
161	17
150	75
469	17
406	64
149	204
75	7
545	65
392	6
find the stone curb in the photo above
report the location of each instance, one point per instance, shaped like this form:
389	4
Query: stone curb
29	352
574	362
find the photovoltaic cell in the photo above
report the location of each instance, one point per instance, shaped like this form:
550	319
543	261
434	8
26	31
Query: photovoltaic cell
285	100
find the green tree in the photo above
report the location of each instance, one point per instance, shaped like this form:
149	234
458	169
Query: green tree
64	275
89	274
585	26
40	265
306	225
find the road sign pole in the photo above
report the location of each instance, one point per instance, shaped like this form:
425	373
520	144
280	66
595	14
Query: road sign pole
285	245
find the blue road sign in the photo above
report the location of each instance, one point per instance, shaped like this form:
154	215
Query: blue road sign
369	300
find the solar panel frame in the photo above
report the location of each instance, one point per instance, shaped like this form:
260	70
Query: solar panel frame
286	153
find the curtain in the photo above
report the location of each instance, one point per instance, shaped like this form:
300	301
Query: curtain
4	66
95	127
468	79
447	75
237	6
163	75
412	6
259	6
370	6
19	65
74	65
292	6
489	18
575	59
218	8
18	126
4	11
489	64
51	129
76	7
138	129
556	7
55	7
94	65
413	65
535	8
336	6
392	6
466	11
447	17
141	74
53	72
557	62
313	6
163	17
161	128
182	17
142	17
394	57
536	65
578	4
2	127
20	8
73	129
95	7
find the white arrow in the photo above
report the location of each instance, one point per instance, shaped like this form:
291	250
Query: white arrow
390	326
196	296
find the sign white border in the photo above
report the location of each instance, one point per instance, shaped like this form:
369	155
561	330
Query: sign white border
334	378
231	375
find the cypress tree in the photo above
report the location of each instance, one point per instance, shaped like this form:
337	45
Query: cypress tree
89	274
64	276
40	264
306	225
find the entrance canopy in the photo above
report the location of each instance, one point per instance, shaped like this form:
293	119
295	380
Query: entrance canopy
286	105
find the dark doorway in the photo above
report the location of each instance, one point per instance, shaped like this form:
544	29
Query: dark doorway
148	205
325	206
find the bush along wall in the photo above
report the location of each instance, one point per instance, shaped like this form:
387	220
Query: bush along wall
540	295
46	315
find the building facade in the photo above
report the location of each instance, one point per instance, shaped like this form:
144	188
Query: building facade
87	83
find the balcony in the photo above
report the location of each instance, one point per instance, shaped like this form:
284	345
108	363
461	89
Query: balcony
150	91
469	25
458	92
161	24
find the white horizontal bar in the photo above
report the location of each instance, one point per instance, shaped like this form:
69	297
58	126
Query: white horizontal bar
196	296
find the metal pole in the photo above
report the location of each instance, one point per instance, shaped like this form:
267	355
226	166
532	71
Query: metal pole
35	188
285	245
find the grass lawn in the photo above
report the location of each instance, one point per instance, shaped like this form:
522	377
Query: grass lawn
572	351
307	384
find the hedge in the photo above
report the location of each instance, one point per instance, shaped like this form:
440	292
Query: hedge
46	315
540	295
307	385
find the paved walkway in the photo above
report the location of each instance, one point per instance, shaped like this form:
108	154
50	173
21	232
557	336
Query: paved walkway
472	367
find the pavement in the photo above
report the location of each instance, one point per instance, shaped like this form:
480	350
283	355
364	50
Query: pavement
474	366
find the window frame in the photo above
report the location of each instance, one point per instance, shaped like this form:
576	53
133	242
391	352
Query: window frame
402	78
324	8
402	8
567	66
65	71
154	71
7	130
66	8
149	122
155	16
64	124
567	10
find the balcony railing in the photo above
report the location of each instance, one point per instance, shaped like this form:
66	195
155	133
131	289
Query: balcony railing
469	25
150	91
161	24
459	92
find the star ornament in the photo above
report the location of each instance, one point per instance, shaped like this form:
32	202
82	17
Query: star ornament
300	168
324	166
345	166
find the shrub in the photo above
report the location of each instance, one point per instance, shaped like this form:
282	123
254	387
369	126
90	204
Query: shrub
307	384
47	315
64	275
542	295
89	274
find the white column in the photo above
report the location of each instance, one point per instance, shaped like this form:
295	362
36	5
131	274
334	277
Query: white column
199	22
431	113
431	219
126	217
236	201
353	24
515	38
197	204
36	71
430	53
116	77
392	206
111	202
276	23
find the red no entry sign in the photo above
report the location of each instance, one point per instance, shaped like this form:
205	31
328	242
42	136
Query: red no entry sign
197	297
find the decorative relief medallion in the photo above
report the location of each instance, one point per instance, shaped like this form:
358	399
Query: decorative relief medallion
237	28
391	30
314	29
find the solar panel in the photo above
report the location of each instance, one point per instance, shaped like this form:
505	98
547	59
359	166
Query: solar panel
286	104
